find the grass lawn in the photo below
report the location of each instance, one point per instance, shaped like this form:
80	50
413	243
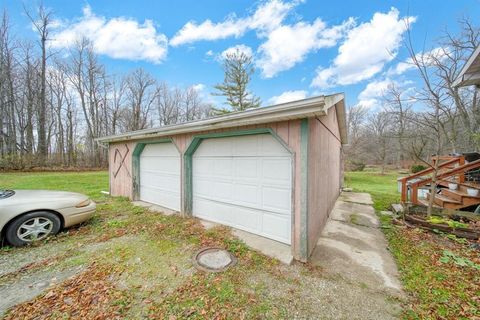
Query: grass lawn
89	183
131	263
383	188
440	273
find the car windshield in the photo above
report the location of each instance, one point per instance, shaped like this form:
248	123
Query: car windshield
6	193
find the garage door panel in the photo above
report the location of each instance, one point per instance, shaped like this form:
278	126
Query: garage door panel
222	167
269	146
276	199
246	168
277	227
277	170
246	219
203	167
247	195
201	185
221	191
160	175
161	164
160	182
229	214
244	182
161	197
160	150
246	146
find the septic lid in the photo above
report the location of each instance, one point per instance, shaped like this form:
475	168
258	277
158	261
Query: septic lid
214	259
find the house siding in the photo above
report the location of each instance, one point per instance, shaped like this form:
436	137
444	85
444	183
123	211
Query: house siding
324	172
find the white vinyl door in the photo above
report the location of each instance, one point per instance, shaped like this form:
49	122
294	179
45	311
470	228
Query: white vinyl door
244	182
160	175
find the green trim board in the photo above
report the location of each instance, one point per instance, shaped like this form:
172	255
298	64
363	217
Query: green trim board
304	137
196	140
136	163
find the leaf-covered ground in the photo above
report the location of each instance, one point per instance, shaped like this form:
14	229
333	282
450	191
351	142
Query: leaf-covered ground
131	263
440	272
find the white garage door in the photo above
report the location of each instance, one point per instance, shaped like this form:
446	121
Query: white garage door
244	182
160	175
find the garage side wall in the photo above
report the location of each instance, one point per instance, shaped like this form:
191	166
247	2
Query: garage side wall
120	168
324	172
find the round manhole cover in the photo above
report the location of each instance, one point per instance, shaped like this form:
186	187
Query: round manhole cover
214	259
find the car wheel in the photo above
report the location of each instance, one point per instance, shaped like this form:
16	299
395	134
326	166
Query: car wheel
32	227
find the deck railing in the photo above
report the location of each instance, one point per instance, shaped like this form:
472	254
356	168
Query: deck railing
451	163
458	172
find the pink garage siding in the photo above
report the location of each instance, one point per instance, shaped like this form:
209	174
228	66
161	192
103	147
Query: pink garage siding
324	172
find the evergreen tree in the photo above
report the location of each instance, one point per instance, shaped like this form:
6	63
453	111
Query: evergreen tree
238	68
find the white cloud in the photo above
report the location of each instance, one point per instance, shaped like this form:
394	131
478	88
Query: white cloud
198	87
288	45
373	92
121	38
365	51
266	17
429	58
209	53
285	45
288	96
240	48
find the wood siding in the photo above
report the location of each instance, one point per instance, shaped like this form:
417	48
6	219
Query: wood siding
120	168
324	172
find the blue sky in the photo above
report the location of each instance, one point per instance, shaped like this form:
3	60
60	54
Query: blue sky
300	48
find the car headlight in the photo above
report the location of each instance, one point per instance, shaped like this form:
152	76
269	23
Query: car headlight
83	203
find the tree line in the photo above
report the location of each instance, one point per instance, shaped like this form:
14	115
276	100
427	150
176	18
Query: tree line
434	117
54	105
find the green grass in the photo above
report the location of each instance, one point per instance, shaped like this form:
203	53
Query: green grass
383	188
438	288
89	183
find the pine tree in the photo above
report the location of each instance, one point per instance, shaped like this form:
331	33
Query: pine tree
238	68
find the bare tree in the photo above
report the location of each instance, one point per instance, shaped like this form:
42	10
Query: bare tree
379	127
139	96
41	22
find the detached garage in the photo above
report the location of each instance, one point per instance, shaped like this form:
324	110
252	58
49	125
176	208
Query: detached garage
274	171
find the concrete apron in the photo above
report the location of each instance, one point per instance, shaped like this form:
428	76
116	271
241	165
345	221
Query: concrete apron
352	246
268	247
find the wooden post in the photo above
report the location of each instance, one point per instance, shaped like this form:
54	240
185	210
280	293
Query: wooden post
414	193
461	162
404	190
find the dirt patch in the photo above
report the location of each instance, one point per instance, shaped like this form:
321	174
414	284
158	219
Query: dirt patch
28	286
85	296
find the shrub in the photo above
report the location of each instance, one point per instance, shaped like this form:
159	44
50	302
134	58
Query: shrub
417	168
356	165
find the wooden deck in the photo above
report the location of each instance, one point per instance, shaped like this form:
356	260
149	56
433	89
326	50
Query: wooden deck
451	170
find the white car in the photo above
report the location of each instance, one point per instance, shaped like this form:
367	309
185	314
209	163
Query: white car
32	215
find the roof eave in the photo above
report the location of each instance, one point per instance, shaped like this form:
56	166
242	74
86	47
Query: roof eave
310	107
465	76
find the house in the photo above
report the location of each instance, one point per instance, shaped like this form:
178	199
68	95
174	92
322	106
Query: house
273	171
470	73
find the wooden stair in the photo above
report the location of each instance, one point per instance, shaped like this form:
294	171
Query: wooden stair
455	199
452	169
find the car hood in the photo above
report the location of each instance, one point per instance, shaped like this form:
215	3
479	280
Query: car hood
44	198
